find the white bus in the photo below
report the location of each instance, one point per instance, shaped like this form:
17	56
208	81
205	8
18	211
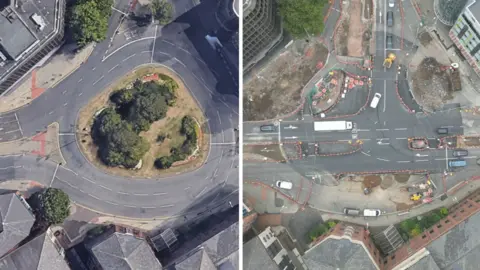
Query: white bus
332	125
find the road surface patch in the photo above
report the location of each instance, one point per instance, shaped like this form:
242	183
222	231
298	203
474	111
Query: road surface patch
40	137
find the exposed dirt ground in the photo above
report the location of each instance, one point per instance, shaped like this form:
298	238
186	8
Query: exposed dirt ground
431	84
371	181
352	37
170	125
468	141
276	89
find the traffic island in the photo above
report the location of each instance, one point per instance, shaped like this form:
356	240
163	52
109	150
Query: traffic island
146	123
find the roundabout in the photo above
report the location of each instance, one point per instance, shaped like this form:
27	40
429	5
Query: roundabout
209	187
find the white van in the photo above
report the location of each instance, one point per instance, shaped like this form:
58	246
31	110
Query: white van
284	184
371	213
375	100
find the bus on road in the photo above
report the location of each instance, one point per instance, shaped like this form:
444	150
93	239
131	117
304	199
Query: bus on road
332	125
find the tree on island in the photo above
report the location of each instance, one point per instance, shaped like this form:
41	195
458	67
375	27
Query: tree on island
89	20
51	206
302	18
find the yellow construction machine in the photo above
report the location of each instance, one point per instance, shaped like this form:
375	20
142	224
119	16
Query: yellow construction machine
389	60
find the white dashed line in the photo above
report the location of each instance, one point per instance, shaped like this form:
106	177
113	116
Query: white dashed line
140	194
113	68
421	160
124	193
403	161
160	193
80	80
88	180
382	159
105	187
366	154
400	138
166	206
99	79
93	196
382	129
128	57
401	129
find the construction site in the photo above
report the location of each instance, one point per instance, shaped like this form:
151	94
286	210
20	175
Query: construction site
275	89
353	35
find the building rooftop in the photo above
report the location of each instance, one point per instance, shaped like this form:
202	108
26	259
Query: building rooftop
197	261
459	247
255	256
26	23
333	254
16	220
118	251
248	6
38	254
475	8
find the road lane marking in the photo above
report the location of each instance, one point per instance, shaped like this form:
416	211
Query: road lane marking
382	159
148	207
223	143
470	157
94	68
145	51
113	68
93	196
80	94
88	180
81	79
105	187
367	154
129	57
140	194
384	95
203	190
421	160
50	113
54	174
400	138
111	202
132	206
168	42
98	80
263	133
166	206
401	129
19	126
403	161
154	40
66	134
382	129
65	104
123	193
160	193
180	62
219	119
363	129
123	46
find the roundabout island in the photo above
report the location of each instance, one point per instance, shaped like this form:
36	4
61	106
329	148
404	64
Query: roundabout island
54	157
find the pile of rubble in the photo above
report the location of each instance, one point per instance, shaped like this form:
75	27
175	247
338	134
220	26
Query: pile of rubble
431	84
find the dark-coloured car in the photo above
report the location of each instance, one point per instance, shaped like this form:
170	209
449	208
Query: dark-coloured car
460	153
351	211
442	131
389	18
267	128
389	42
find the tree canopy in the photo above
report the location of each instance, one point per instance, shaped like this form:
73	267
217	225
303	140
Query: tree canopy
116	129
89	20
300	17
162	10
52	205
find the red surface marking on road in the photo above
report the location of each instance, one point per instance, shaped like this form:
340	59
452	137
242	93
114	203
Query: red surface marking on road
264	193
35	91
41	139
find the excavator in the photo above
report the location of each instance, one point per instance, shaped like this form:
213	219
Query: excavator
389	60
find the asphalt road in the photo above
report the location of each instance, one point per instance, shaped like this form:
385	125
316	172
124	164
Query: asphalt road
180	47
384	130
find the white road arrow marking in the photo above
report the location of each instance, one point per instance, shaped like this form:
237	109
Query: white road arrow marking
290	127
290	138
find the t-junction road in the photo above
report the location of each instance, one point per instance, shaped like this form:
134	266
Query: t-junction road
383	131
179	46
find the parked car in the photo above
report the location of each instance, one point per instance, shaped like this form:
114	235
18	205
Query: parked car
284	184
371	212
389	18
391	3
389	42
267	128
442	131
418	143
460	153
375	100
457	163
351	211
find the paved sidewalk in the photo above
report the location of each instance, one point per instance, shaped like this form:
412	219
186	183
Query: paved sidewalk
47	76
455	195
44	144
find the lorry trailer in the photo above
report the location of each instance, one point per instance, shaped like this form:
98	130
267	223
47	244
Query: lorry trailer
332	125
